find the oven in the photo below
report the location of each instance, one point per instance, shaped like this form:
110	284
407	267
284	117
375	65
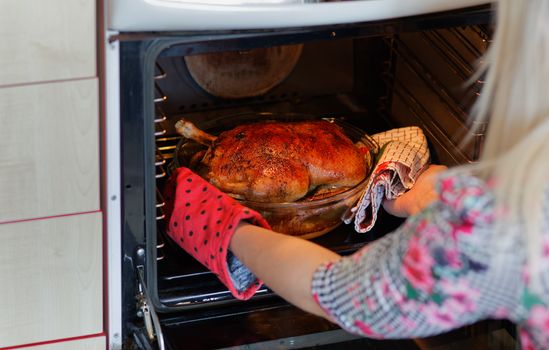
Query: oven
375	73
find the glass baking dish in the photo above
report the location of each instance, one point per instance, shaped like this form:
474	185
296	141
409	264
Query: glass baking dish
309	217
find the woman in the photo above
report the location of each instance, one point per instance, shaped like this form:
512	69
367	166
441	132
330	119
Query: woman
473	247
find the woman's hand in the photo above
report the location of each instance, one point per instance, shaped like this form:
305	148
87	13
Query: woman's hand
419	196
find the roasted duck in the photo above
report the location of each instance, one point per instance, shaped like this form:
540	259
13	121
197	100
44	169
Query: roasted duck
278	161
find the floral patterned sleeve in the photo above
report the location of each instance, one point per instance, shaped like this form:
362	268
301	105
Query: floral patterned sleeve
435	273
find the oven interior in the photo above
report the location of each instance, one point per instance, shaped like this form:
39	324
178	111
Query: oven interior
376	77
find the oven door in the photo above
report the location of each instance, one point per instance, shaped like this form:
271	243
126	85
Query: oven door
176	15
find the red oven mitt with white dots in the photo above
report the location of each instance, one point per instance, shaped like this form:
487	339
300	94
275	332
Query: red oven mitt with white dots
202	220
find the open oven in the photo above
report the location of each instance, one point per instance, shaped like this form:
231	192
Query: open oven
376	75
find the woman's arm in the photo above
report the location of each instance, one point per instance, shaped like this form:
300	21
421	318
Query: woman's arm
429	276
286	264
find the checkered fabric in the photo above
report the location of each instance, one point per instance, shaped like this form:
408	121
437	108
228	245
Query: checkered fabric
403	154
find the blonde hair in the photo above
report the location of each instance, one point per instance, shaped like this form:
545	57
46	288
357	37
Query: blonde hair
515	102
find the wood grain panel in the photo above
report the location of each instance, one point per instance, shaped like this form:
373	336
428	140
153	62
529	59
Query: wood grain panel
97	343
49	149
47	40
51	273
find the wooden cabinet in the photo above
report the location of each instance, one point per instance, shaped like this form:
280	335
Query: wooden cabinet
51	275
51	221
47	40
49	149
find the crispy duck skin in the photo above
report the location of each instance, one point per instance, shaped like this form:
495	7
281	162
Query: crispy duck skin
278	161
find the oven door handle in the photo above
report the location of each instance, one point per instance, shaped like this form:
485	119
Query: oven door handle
152	323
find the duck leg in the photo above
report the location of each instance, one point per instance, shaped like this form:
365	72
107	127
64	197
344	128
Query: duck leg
187	129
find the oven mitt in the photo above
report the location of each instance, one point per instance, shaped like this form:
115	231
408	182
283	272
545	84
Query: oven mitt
402	157
202	220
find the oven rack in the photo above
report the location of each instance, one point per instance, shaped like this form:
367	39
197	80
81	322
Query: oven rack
160	160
